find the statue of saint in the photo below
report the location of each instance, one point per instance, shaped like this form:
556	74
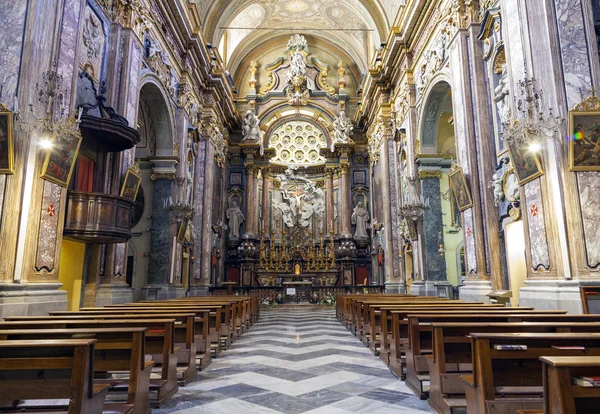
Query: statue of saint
502	96
342	129
498	185
236	218
360	217
251	129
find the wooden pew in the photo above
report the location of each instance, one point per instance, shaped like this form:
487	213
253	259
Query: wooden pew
504	381
201	324
400	335
159	342
183	334
51	369
379	332
452	355
220	333
561	396
116	349
421	337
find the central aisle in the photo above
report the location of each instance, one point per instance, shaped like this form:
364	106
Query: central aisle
296	361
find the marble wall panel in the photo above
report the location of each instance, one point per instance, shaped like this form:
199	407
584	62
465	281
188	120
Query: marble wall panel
432	226
574	50
134	81
48	231
459	108
178	260
538	240
392	171
120	263
513	36
589	190
160	238
2	190
199	206
68	45
469	234
12	21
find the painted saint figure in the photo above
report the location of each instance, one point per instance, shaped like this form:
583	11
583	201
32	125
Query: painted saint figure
236	218
360	217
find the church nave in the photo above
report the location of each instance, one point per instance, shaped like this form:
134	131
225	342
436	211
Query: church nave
293	362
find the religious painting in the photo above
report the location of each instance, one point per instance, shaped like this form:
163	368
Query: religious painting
182	229
460	190
60	160
526	164
6	142
584	141
131	185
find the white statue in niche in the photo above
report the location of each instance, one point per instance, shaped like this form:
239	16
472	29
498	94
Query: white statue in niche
236	218
502	96
251	129
342	129
360	217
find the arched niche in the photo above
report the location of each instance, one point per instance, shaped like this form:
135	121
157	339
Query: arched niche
154	123
436	120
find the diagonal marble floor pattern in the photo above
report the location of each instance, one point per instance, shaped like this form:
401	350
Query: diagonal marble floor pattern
293	362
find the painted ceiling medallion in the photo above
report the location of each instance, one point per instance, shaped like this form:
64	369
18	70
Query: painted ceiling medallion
296	6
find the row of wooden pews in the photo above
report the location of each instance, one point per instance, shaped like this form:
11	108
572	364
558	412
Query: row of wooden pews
118	359
481	358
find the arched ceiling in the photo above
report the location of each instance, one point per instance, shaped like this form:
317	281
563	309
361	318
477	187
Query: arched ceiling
358	26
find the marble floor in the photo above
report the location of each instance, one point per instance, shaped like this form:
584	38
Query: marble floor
296	361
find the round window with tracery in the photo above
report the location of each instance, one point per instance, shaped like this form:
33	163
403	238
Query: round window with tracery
298	142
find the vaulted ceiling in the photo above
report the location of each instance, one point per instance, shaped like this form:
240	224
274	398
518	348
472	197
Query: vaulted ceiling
356	27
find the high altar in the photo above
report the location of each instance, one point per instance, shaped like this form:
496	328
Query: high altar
299	206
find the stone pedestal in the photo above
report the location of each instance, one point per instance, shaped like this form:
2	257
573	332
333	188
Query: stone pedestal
393	287
476	290
163	291
424	288
31	299
199	291
113	294
552	295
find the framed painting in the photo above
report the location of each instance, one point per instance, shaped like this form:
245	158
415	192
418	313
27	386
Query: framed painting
584	141
460	190
60	160
131	185
526	164
7	154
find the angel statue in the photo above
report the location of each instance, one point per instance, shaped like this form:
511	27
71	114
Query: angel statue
498	185
251	129
342	129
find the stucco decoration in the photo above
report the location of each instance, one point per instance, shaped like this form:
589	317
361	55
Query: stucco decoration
375	141
92	43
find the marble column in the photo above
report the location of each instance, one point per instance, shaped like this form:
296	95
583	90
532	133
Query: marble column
433	229
266	190
330	200
345	197
251	201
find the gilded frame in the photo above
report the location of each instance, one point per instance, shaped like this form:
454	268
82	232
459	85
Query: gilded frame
575	121
460	189
523	171
131	185
55	169
7	149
